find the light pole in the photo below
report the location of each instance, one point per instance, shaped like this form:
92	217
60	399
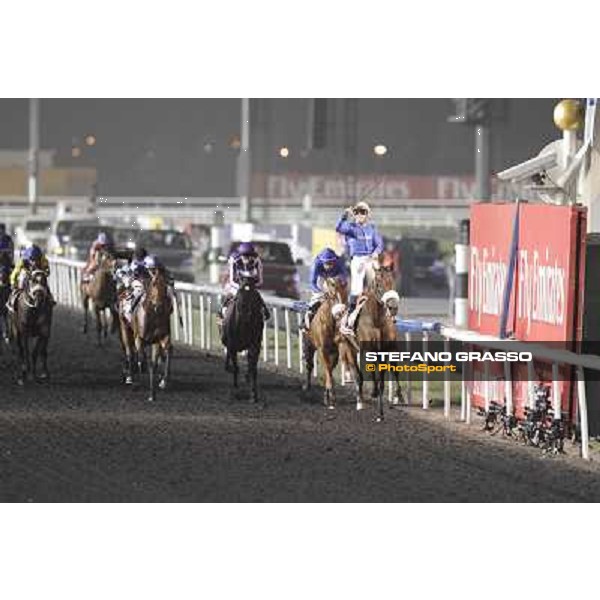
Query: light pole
244	165
34	150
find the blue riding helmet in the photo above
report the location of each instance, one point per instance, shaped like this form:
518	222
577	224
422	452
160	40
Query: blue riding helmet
328	257
33	253
103	239
246	249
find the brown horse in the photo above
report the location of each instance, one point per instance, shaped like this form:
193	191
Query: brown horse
127	341
151	324
322	338
242	330
101	290
375	324
32	318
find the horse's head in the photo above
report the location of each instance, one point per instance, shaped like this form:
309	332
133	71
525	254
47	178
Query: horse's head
37	288
383	278
107	261
335	289
157	288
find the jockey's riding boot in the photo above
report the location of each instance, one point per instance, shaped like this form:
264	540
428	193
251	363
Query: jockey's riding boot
310	313
344	326
351	304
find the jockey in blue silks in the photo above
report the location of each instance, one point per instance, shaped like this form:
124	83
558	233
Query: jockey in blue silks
327	265
364	245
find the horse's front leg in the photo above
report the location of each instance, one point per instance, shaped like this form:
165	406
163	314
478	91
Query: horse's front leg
22	360
167	352
329	396
253	354
114	314
308	351
86	308
26	367
234	366
151	372
128	353
98	326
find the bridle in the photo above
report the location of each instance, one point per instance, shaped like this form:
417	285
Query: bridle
37	289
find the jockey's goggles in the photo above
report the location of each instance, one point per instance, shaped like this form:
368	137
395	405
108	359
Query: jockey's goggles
360	211
329	264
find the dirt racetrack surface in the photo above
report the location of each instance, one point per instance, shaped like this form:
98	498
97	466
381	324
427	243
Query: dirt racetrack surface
84	437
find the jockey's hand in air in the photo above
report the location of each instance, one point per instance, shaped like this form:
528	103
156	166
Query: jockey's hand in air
363	243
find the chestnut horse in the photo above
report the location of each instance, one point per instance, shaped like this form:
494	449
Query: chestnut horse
101	290
151	324
375	324
322	338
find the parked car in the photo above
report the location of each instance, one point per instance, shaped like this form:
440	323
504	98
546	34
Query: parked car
174	249
33	231
125	237
427	261
280	272
61	233
81	238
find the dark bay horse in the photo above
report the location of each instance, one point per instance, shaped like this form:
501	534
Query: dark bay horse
151	325
4	295
101	290
32	318
242	330
375	324
322	338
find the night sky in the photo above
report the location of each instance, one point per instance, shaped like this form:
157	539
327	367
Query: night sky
159	146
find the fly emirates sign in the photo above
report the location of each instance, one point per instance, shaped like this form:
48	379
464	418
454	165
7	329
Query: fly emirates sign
541	286
543	292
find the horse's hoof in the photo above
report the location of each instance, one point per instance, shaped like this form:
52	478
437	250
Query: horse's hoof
151	398
129	380
379	420
43	377
331	407
163	384
20	382
360	406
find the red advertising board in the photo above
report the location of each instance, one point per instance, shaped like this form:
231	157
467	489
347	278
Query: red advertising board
547	290
544	292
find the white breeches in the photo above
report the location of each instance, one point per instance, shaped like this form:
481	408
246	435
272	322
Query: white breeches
361	267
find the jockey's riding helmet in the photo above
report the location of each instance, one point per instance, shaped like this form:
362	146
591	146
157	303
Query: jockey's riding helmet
246	249
151	262
33	253
102	239
328	256
361	208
